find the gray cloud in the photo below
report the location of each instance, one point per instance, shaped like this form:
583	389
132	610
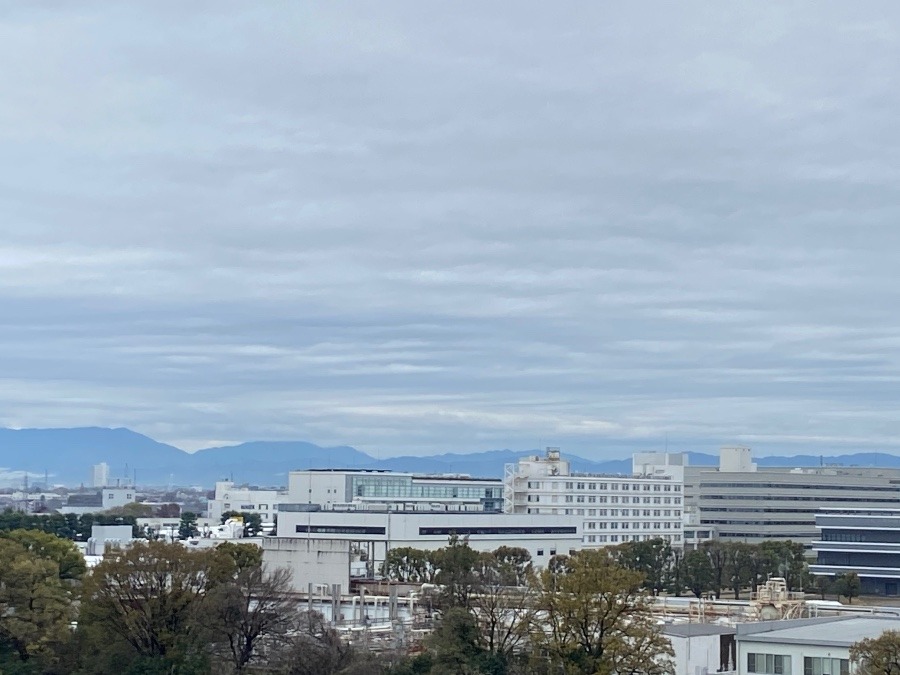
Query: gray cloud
415	228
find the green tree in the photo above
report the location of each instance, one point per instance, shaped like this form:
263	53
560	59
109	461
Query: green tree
407	564
823	585
785	559
736	566
717	554
456	648
877	656
597	619
232	558
848	585
133	509
35	608
651	558
697	572
152	596
514	564
455	564
188	526
62	552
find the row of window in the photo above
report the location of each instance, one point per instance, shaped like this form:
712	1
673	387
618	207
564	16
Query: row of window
801	486
625	487
594	513
614	538
805	498
656	513
780	664
580	499
634	526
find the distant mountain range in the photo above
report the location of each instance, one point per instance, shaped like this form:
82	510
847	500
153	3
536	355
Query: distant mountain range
68	454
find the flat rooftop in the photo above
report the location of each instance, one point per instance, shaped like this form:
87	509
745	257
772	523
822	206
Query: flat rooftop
832	632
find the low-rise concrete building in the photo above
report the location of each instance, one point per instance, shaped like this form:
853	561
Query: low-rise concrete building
702	647
376	532
806	646
99	500
322	563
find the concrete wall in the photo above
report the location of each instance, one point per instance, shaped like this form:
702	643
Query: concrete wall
695	653
312	561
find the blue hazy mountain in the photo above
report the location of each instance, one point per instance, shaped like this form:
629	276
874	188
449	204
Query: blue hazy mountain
67	456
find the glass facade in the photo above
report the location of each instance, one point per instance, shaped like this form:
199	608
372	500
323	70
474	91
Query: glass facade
405	487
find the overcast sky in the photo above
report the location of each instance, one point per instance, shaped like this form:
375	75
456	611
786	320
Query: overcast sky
428	227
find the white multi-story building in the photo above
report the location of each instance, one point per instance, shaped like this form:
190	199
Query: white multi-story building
100	475
360	489
244	499
376	532
612	509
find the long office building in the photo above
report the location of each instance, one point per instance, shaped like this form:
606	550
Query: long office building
741	502
611	509
376	532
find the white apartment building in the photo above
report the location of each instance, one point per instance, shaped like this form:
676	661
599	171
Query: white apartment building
360	489
245	499
611	509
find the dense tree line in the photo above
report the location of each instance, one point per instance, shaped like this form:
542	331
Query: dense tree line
715	567
66	526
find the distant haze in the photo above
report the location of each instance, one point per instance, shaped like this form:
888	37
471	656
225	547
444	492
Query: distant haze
65	456
417	228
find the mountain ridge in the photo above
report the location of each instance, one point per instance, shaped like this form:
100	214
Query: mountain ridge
67	454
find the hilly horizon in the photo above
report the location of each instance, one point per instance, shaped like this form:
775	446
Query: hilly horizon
67	454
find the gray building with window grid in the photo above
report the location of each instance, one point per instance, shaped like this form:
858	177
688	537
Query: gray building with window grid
743	503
